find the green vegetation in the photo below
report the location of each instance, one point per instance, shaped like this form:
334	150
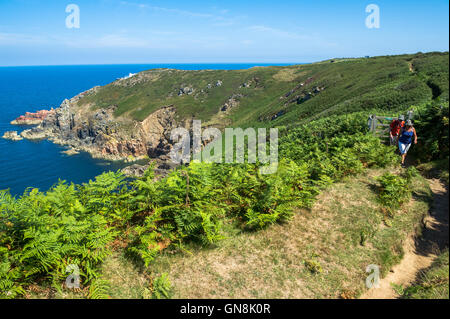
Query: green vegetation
275	96
41	234
162	287
314	266
430	68
143	226
79	224
322	252
437	169
394	191
432	150
432	122
433	284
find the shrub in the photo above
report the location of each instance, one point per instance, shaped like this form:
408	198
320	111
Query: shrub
45	232
313	266
162	287
393	192
432	126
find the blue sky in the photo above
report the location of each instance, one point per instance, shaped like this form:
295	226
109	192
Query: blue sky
143	31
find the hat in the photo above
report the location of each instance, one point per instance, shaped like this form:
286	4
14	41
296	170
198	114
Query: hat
409	123
401	117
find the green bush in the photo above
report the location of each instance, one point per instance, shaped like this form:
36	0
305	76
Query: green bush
162	287
394	191
432	126
313	266
45	232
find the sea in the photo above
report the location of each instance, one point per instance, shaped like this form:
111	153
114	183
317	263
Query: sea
40	164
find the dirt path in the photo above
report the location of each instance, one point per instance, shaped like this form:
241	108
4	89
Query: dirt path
419	253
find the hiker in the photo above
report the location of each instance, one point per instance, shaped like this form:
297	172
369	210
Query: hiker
404	141
396	126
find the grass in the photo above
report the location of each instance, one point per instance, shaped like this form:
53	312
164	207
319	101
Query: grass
321	253
126	281
433	283
436	169
382	83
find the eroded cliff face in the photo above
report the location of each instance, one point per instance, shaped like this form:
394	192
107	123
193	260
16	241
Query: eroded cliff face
104	136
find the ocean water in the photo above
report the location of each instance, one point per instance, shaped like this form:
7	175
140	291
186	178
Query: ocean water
40	164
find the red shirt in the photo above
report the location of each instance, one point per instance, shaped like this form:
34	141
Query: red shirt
396	126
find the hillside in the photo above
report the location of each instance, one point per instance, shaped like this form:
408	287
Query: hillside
337	202
294	93
321	253
132	118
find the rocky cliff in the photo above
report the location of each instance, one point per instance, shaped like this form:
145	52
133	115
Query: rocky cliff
102	135
131	118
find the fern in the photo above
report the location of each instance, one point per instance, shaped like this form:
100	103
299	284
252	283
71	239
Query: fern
162	288
393	192
99	289
41	233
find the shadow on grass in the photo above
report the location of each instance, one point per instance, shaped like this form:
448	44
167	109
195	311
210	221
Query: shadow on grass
422	196
435	236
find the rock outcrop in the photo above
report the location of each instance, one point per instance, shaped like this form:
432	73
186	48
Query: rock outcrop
100	133
232	102
12	135
71	151
188	90
254	82
302	95
32	118
33	134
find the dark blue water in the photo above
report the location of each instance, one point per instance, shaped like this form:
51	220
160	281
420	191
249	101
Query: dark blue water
40	164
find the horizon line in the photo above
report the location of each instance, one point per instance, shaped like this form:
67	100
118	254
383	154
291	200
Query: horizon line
211	63
154	63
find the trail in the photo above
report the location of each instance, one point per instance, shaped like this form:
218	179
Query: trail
420	252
